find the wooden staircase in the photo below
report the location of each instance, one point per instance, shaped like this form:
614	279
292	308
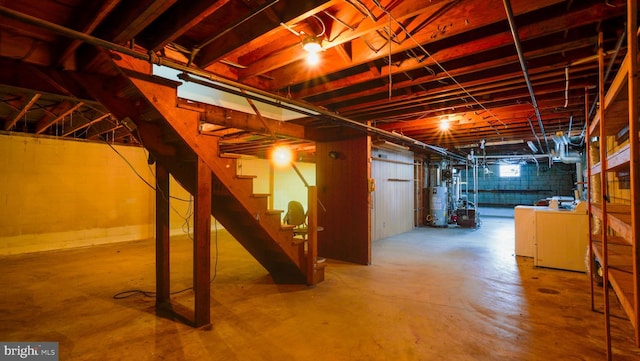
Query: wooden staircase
147	105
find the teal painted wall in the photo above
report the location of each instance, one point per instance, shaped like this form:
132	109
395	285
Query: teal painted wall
533	184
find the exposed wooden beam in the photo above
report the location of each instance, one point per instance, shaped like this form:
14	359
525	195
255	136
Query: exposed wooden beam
258	26
48	121
86	124
476	13
87	24
249	122
553	25
139	16
171	25
266	64
8	125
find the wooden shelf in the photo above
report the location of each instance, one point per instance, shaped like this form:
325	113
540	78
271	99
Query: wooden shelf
620	266
615	161
596	208
615	104
618	217
619	159
622	262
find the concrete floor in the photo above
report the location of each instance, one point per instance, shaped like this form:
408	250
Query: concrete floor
430	294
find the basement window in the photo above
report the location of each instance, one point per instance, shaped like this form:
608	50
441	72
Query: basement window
509	170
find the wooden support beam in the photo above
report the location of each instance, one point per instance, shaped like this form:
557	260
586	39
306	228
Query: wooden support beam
45	124
87	124
312	235
162	236
22	112
202	247
604	193
634	146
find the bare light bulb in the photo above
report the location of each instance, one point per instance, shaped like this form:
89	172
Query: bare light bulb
281	156
444	124
313	58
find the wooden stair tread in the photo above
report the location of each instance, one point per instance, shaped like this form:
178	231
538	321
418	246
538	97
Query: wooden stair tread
321	262
229	155
235	204
194	107
298	241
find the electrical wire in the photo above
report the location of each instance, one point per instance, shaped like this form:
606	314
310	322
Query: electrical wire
566	87
130	165
140	176
186	225
386	11
133	292
324	28
390	75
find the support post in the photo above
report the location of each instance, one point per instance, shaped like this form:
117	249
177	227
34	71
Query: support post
312	234
604	194
162	236
202	246
634	150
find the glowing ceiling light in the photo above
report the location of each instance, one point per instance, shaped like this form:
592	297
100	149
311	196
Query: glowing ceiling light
312	45
313	58
444	124
281	155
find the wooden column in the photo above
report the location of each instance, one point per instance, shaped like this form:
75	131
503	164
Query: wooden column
604	192
634	146
312	234
162	235
343	180
202	246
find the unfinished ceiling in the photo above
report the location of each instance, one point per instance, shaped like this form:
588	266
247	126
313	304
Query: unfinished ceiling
504	74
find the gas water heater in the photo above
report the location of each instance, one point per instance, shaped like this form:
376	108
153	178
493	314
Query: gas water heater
438	207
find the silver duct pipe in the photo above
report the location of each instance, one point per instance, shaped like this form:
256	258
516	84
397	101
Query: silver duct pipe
153	58
579	180
561	150
525	71
512	157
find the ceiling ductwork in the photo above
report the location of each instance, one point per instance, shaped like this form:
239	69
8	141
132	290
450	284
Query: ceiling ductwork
562	150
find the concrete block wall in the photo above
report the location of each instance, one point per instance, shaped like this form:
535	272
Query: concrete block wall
60	194
534	183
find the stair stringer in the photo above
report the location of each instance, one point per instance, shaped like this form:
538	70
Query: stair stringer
265	240
233	204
